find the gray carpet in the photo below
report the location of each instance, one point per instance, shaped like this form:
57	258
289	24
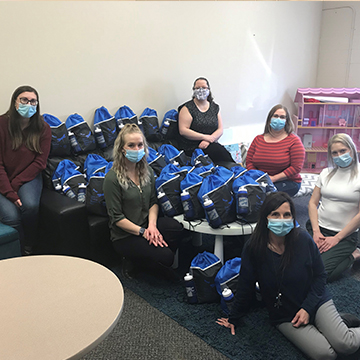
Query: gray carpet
144	332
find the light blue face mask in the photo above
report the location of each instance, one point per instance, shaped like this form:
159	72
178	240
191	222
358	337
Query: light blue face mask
343	160
134	155
277	123
26	111
280	227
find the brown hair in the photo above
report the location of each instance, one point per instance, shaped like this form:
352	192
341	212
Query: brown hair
289	126
31	135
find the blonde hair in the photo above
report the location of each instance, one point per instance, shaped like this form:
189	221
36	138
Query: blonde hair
119	164
347	141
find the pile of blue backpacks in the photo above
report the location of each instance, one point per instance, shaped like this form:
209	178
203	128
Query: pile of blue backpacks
198	189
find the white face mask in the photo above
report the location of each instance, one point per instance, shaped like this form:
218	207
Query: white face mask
201	93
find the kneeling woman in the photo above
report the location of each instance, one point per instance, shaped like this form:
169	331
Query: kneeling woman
131	202
287	264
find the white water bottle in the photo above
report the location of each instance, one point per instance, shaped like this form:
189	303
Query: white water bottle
68	192
82	193
99	136
229	298
190	289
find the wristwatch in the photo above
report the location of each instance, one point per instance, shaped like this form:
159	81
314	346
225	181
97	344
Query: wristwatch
141	231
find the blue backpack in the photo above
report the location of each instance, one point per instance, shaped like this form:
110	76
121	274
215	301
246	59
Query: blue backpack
107	125
263	179
216	197
198	158
60	142
94	163
168	190
173	155
81	138
189	187
156	161
238	171
150	125
125	116
249	197
204	268
169	126
203	171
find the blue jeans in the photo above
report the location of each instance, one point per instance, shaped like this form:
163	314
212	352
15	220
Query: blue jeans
290	187
24	219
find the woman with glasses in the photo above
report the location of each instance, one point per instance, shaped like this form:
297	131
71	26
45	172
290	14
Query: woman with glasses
25	140
278	151
286	263
200	124
334	207
138	235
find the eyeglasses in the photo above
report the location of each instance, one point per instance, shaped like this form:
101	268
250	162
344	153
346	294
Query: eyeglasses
197	88
25	101
282	117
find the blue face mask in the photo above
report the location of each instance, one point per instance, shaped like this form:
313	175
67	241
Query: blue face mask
277	123
134	155
280	227
26	111
343	160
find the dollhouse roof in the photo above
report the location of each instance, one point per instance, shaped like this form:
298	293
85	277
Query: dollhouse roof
351	93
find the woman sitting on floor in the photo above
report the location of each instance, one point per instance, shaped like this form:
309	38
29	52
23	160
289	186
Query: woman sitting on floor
200	124
278	151
334	225
129	188
286	263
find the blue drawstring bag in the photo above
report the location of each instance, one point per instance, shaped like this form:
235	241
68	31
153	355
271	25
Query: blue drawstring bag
95	199
94	163
204	268
66	174
238	171
227	277
198	158
216	197
168	190
60	142
203	171
173	155
169	126
249	197
125	116
156	161
263	179
107	124
150	124
191	184
81	134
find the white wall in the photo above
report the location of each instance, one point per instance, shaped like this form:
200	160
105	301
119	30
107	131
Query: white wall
339	51
82	55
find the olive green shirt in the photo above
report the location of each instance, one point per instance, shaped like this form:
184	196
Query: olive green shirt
132	204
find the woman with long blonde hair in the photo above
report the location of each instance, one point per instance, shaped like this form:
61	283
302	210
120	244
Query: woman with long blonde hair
129	187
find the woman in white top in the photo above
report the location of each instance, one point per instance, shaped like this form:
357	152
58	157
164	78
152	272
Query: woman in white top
334	224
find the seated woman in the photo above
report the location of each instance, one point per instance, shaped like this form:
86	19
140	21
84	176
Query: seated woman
334	224
278	151
129	188
286	263
200	124
25	140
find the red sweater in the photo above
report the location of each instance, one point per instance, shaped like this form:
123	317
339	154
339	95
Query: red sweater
286	155
22	165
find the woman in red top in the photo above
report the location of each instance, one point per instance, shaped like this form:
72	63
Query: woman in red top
278	151
25	140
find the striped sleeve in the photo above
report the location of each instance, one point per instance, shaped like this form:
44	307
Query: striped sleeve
297	157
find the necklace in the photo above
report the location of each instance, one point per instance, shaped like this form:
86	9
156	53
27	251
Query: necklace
277	303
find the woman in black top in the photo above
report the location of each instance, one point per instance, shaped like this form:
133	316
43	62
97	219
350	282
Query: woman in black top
286	263
200	124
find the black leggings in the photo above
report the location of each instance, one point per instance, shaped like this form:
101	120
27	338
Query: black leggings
216	152
137	248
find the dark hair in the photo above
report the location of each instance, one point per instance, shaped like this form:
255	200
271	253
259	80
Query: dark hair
260	238
289	126
31	135
210	97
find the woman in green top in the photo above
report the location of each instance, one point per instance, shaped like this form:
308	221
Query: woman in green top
131	202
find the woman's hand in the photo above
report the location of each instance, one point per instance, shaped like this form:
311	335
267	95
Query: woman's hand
152	234
225	322
18	203
318	238
204	144
328	243
301	318
210	138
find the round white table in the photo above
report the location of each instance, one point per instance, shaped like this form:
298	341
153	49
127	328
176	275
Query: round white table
55	307
203	227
